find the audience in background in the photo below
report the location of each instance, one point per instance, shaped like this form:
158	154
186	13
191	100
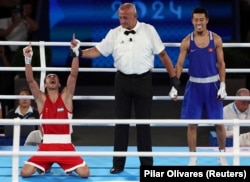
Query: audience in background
24	110
6	78
5	11
20	24
239	109
4	61
17	23
8	3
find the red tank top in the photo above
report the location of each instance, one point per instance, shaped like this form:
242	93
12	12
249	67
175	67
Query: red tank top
55	110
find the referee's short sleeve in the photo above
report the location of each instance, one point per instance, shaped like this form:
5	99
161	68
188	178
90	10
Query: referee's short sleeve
105	47
157	43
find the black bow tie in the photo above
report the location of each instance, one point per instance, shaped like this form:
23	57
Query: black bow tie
127	32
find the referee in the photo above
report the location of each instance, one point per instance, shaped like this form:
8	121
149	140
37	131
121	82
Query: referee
133	45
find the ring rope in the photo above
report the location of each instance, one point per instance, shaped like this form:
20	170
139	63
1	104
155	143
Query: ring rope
15	152
128	153
91	97
121	121
43	43
155	70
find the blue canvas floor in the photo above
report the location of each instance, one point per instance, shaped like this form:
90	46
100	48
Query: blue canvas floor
100	165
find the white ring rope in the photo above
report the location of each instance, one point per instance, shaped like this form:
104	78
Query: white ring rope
18	122
155	70
129	153
43	67
120	121
90	97
15	153
38	43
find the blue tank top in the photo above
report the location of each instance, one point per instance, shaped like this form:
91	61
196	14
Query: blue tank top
202	61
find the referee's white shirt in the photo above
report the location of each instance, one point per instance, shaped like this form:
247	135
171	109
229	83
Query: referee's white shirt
133	53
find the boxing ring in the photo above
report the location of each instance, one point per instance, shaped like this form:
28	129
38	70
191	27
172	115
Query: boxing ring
99	158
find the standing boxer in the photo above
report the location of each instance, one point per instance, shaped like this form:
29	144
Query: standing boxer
206	86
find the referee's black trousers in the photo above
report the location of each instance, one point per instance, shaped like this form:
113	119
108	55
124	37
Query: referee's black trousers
137	91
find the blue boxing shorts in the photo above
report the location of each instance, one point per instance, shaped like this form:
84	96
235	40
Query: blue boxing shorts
199	98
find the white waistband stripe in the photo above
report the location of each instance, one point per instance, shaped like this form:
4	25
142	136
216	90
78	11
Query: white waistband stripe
48	138
209	79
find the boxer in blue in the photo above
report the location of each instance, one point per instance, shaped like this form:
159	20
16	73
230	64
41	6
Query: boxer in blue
206	87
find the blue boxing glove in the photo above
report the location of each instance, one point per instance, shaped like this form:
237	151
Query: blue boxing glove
174	82
75	50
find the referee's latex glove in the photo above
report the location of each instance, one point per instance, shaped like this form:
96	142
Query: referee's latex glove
174	83
75	50
28	53
221	94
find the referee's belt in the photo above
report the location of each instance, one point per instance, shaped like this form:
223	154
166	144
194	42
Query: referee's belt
209	79
134	75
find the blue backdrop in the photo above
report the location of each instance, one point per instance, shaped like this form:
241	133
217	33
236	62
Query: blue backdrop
90	20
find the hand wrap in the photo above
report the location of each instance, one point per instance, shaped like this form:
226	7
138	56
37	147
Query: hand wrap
173	93
76	51
221	94
174	83
27	53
